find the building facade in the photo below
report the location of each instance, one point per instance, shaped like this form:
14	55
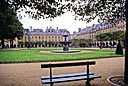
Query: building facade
40	36
91	32
33	36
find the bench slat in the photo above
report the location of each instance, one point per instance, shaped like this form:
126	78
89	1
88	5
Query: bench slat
67	64
66	75
67	79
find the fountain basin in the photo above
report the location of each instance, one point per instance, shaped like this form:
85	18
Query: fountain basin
61	51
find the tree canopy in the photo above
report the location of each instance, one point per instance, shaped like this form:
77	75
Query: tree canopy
111	36
85	10
10	26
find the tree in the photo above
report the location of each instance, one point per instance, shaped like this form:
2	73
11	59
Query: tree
111	36
75	42
126	50
119	49
10	25
81	42
3	25
87	9
15	27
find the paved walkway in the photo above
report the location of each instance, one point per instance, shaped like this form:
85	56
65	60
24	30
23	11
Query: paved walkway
28	74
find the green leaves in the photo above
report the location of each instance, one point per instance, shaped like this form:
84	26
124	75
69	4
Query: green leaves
85	9
114	35
10	25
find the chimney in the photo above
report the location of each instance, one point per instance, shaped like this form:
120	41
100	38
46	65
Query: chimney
30	28
47	27
79	29
56	28
74	32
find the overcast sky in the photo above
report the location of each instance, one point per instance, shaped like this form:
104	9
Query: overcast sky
65	21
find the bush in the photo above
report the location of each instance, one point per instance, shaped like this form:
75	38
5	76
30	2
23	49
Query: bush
119	49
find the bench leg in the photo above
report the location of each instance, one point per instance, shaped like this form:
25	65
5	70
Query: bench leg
51	84
88	83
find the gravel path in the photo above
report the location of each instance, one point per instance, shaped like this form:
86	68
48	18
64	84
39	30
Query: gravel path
28	74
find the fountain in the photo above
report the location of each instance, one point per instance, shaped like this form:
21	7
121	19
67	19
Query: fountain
65	44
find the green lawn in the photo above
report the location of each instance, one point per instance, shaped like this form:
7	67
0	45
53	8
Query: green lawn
33	55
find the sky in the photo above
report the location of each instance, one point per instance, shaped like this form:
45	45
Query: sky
65	21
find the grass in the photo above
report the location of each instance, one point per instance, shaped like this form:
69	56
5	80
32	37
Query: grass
33	55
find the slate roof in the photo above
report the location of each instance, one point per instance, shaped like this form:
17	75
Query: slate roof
48	31
99	26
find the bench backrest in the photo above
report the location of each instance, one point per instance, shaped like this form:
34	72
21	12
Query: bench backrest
67	64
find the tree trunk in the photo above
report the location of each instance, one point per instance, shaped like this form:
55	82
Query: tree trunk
126	52
126	59
11	43
2	42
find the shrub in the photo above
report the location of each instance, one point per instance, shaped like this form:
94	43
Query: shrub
119	49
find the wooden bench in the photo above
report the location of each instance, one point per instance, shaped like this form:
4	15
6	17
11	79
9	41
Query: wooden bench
51	79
